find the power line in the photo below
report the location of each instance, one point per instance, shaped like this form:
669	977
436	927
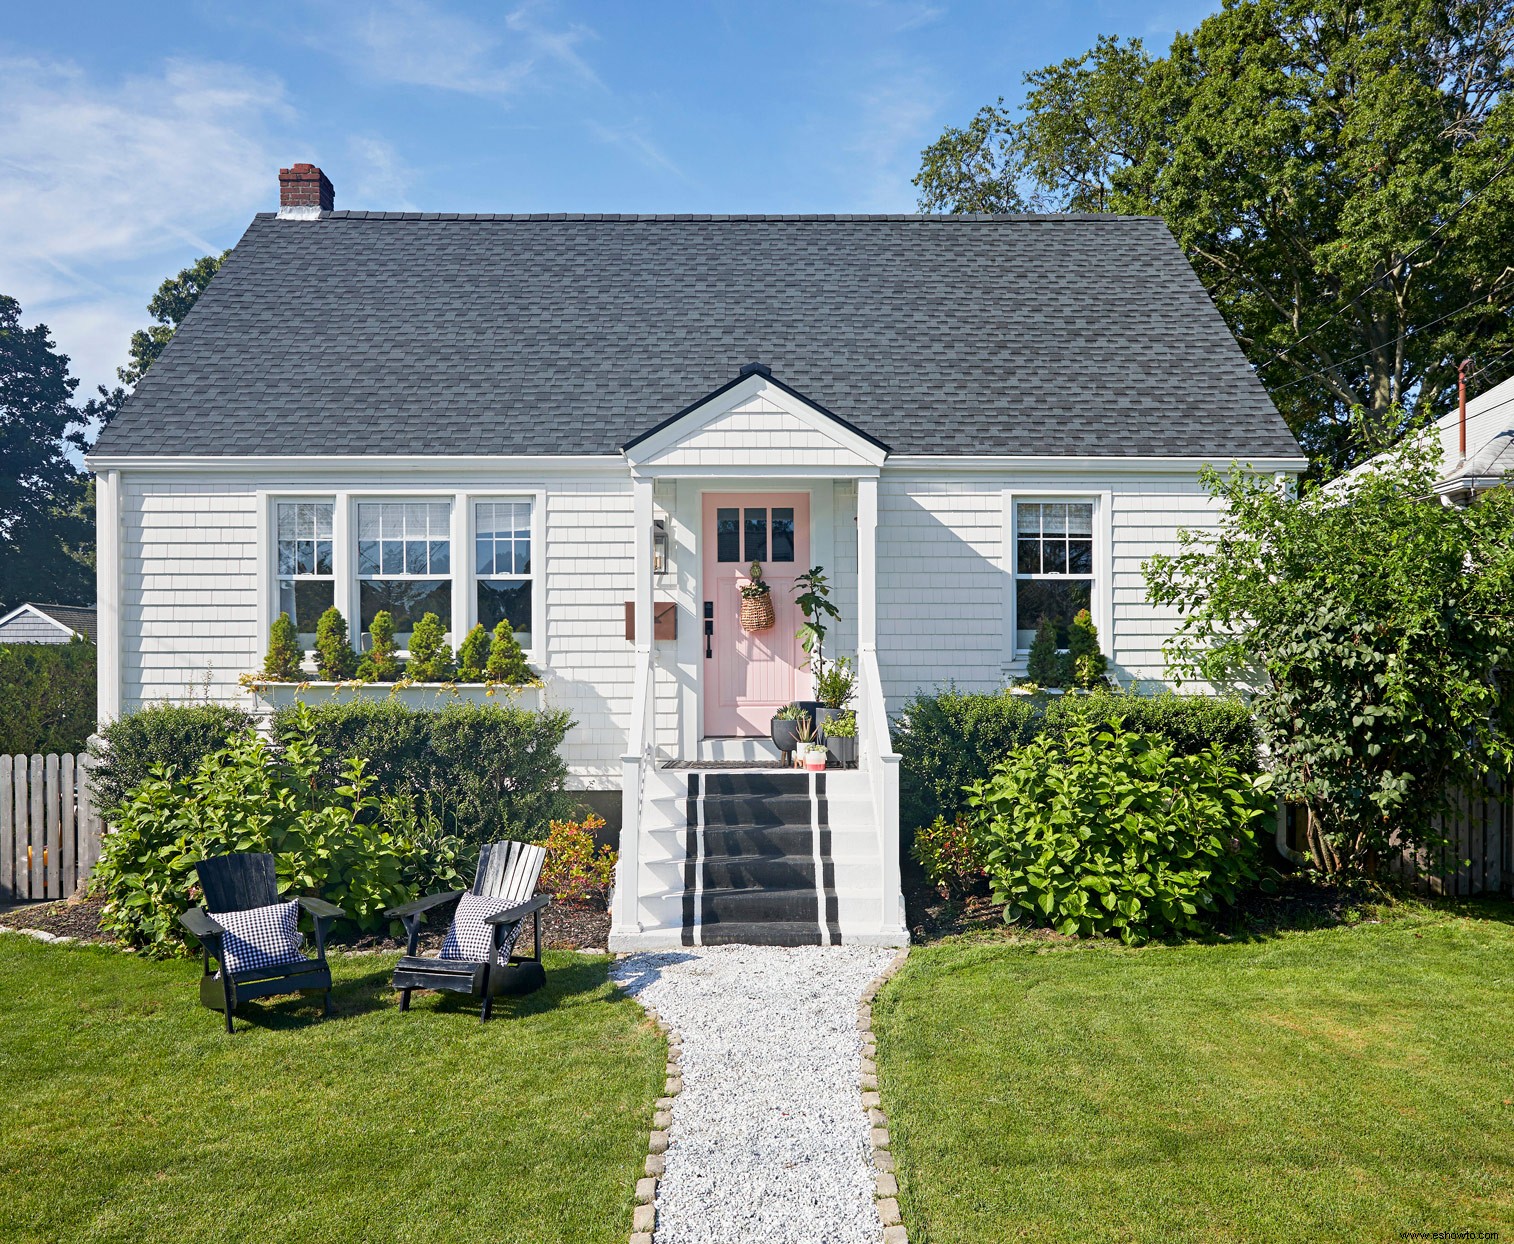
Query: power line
1320	327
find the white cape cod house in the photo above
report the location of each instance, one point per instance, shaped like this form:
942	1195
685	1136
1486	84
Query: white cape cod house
969	422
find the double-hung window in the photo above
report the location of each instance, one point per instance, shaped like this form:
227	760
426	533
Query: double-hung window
503	565
404	562
1053	565
306	575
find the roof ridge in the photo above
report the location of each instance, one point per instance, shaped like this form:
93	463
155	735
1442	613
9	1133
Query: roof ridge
748	217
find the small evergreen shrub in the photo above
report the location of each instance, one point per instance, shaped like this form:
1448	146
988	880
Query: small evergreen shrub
47	697
573	871
430	656
335	660
379	663
950	854
282	663
1085	665
507	660
1044	665
473	655
1106	831
492	771
175	735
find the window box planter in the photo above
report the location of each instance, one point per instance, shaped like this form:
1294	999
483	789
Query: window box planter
411	695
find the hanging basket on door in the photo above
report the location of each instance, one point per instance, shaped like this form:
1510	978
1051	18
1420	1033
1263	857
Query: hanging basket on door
756	603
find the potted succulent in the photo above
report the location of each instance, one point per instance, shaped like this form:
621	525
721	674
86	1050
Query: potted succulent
785	727
840	733
809	751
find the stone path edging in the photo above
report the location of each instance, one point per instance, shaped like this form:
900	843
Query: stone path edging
644	1216
886	1191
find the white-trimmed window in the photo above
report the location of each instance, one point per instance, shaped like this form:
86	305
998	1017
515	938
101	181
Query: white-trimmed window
1054	565
502	539
404	562
305	561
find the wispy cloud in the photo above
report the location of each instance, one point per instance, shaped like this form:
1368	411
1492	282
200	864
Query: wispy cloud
98	180
631	138
894	121
380	177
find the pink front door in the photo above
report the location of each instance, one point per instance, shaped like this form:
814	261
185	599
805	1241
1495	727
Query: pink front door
749	675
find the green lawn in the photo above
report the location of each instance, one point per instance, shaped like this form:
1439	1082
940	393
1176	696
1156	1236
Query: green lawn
1345	1084
126	1113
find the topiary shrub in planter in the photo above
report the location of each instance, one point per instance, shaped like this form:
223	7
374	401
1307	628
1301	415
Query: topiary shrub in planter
379	663
1044	665
335	660
573	871
1107	831
327	837
284	657
1085	665
473	655
176	735
430	656
507	660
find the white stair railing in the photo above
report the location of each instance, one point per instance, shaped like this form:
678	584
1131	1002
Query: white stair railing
882	765
635	765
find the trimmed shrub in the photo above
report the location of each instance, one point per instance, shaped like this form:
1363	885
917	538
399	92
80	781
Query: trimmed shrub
493	771
1086	665
950	854
175	735
327	837
47	697
430	656
380	664
282	663
949	739
1104	830
573	871
507	660
335	660
473	654
1044	664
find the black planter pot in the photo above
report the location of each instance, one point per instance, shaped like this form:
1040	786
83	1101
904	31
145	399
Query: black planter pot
822	714
843	751
785	734
811	708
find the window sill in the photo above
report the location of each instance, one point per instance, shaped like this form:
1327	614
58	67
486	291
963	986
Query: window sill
412	695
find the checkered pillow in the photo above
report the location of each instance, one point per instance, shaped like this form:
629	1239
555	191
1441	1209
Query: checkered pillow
260	937
469	937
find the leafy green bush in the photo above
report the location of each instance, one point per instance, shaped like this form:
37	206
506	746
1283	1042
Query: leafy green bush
282	663
473	654
949	738
326	837
573	872
1102	830
507	661
180	735
379	663
335	660
494	771
47	697
950	853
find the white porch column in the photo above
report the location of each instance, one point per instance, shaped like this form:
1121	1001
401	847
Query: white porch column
636	757
641	521
867	562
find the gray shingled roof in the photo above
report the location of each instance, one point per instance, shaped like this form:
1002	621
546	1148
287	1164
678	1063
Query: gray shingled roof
78	618
382	332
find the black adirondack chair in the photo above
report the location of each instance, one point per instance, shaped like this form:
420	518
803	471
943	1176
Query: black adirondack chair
506	870
238	883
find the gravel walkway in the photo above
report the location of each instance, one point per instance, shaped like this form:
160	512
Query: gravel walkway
769	1141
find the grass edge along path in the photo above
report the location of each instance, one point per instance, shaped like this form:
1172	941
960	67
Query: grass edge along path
130	1115
1345	1084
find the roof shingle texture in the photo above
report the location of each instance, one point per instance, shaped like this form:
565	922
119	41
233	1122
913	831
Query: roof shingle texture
392	333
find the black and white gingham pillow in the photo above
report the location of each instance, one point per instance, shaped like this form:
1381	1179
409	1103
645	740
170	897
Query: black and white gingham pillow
469	937
260	937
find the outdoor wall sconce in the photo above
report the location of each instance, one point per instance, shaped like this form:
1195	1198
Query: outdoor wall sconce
659	546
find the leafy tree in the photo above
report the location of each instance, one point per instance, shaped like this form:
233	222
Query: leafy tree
430	655
507	662
174	300
1341	178
334	658
282	662
473	654
43	518
1373	627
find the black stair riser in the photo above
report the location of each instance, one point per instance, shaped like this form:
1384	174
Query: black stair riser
760	785
759	840
754	810
795	933
748	872
758	906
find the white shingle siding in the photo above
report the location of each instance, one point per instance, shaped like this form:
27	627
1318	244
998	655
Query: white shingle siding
758	433
28	628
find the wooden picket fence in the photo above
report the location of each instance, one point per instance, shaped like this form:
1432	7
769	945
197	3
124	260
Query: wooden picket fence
49	829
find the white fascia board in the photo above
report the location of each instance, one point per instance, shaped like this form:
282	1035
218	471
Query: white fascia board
754	474
37	613
693	421
1114	465
356	466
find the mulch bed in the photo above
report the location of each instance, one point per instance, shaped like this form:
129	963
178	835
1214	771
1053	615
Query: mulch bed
564	926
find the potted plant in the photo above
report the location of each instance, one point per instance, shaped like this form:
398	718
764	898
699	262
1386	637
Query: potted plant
809	751
813	598
834	687
756	602
840	733
785	728
1044	666
1087	666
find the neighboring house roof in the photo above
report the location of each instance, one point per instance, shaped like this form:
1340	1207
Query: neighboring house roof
406	333
67	620
1490	442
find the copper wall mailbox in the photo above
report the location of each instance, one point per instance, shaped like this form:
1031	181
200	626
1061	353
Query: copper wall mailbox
664	620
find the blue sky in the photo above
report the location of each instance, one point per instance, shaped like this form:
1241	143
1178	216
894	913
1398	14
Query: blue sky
134	138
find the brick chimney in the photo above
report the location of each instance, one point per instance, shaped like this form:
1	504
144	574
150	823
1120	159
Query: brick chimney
304	193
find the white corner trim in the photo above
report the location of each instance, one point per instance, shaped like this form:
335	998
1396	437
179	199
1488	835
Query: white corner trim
108	595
